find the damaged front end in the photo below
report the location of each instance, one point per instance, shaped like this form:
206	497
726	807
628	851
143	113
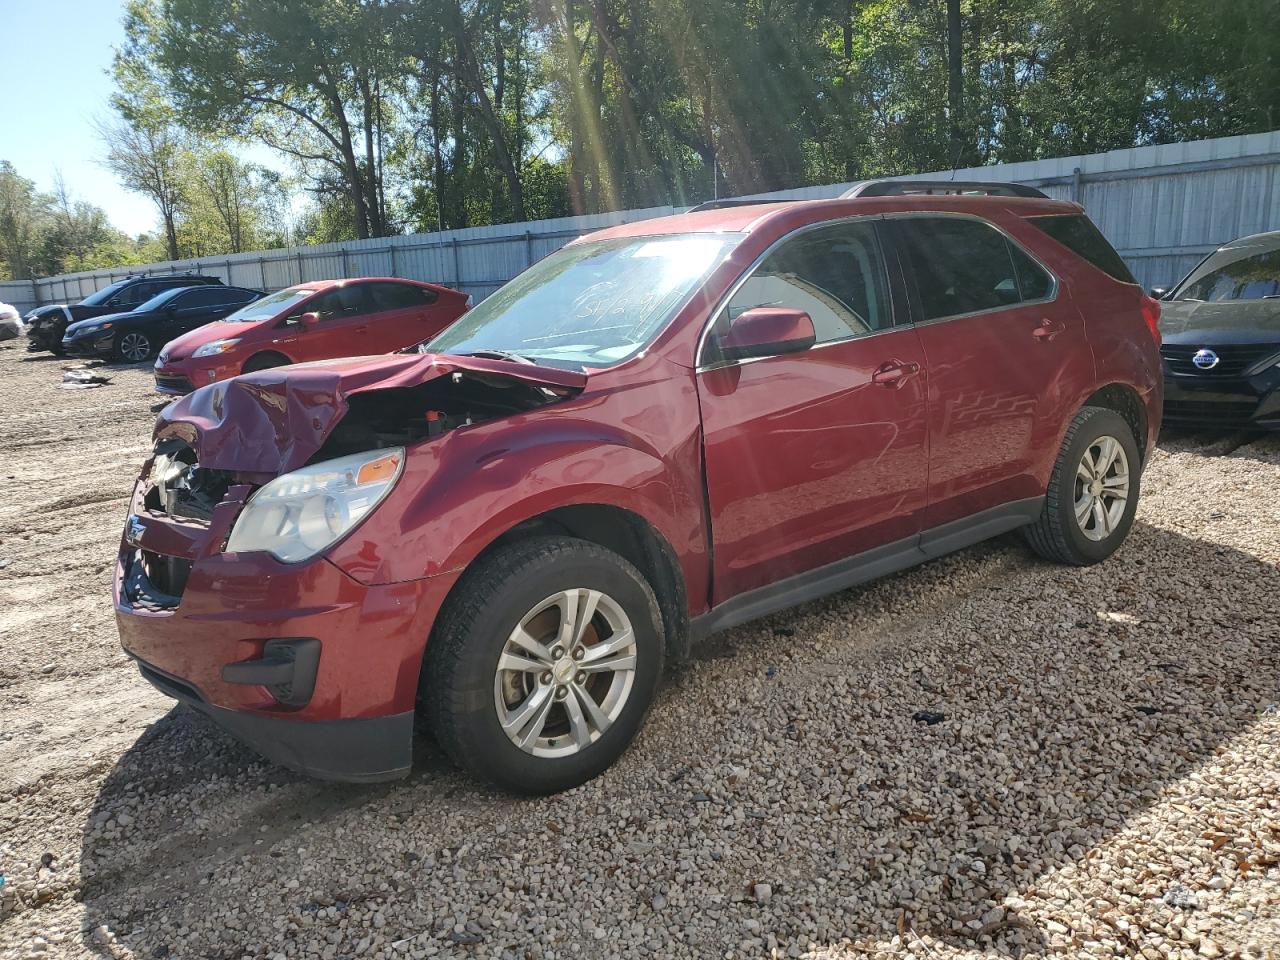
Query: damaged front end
287	461
225	592
264	424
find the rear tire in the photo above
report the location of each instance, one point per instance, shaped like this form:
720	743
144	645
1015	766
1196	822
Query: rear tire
584	683
264	361
1093	491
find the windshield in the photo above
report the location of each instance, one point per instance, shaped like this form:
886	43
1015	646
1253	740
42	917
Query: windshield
1247	271
269	306
589	304
101	296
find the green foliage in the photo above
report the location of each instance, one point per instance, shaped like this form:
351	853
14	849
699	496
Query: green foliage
406	114
44	234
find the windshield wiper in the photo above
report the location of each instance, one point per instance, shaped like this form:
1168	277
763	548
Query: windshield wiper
497	355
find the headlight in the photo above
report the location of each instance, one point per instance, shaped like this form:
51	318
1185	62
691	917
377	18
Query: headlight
215	347
297	515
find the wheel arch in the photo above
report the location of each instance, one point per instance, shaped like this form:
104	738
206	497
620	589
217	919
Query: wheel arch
284	358
1127	402
627	534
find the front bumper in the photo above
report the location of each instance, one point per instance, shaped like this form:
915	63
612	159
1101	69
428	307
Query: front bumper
47	336
180	377
186	611
366	750
96	344
172	384
1223	402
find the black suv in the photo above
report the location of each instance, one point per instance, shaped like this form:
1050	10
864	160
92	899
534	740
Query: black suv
47	325
1221	329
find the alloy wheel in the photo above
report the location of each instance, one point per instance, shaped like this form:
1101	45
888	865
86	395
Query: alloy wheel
565	673
135	347
1102	488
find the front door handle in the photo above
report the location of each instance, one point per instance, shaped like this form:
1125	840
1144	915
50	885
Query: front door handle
1047	329
894	373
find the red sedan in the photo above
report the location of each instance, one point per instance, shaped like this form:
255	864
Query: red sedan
319	320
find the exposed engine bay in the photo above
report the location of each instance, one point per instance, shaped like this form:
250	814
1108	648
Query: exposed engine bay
180	487
400	416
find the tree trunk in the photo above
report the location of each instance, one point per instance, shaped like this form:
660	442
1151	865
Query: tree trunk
955	80
170	234
502	156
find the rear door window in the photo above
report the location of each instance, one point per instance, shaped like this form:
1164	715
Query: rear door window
962	266
136	294
1077	233
348	301
204	297
396	296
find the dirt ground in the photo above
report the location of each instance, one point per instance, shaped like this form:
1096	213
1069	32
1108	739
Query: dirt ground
1105	781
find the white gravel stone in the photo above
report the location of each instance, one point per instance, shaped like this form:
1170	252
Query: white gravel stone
780	801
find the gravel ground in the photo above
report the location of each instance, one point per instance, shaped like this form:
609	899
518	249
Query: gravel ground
1104	780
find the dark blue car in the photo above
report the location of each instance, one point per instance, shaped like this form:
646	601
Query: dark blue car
138	334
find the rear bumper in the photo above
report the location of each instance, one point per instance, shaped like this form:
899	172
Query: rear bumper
364	750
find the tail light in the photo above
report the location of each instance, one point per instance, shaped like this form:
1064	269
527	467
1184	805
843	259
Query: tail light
1151	314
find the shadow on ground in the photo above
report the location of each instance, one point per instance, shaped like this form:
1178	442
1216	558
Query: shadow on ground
1019	791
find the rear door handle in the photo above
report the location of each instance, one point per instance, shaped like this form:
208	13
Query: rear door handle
894	373
1047	329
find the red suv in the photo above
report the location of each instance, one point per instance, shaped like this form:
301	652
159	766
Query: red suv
311	321
664	429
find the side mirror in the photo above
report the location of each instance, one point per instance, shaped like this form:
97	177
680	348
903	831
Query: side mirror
765	331
1159	293
310	319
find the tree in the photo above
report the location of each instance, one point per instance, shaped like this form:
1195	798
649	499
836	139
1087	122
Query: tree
303	76
22	212
463	112
144	144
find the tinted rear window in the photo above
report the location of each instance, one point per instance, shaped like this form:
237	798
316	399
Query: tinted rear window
1078	234
966	266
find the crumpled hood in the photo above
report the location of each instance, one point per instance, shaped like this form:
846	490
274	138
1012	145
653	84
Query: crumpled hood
1192	322
273	421
48	312
184	346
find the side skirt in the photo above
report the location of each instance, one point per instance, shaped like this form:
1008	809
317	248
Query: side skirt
868	565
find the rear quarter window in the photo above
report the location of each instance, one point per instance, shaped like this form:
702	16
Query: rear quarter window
963	266
1077	233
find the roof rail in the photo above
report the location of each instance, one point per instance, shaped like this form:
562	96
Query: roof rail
727	202
899	188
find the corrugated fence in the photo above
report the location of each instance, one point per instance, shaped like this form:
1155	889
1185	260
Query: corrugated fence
1163	208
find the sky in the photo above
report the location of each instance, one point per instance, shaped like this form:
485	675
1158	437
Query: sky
54	82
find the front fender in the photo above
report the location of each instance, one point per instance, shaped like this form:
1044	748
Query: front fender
463	490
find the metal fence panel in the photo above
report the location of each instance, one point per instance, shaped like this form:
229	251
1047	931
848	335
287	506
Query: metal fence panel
1163	207
20	294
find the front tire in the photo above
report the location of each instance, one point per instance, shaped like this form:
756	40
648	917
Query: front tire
264	361
132	346
1093	491
543	664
